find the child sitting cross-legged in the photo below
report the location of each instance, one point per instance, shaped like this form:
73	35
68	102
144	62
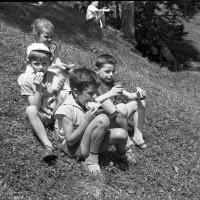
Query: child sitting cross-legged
105	67
86	131
42	91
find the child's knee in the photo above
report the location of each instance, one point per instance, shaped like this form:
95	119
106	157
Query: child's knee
122	134
31	111
122	110
102	121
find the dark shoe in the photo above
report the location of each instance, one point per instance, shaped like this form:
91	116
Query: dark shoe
48	153
129	156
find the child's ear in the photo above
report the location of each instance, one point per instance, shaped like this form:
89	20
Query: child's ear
75	92
96	70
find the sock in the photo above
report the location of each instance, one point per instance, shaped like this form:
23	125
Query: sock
93	157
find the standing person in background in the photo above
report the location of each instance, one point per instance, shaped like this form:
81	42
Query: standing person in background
95	14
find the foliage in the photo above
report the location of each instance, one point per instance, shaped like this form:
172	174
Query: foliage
150	30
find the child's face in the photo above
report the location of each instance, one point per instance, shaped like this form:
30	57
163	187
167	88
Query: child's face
107	72
95	3
40	65
87	95
45	37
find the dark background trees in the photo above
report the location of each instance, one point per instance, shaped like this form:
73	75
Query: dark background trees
149	25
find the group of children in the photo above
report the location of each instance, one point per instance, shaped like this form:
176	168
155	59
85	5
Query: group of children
59	92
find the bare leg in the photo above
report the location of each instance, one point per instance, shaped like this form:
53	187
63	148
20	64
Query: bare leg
92	140
137	109
36	120
100	17
117	137
121	120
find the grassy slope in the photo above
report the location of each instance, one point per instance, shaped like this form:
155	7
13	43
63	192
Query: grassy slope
168	168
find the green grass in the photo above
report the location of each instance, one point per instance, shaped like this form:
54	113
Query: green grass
167	169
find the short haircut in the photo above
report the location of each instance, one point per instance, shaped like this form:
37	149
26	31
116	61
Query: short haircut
82	78
105	59
38	54
40	24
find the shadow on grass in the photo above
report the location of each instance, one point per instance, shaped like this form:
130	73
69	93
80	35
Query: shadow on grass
186	54
70	25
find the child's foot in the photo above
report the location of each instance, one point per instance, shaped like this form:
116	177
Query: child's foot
92	167
48	153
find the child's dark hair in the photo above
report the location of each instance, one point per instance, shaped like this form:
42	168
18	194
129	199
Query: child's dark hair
82	78
105	59
40	24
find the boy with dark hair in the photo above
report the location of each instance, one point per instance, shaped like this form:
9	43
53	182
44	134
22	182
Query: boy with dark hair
87	133
105	67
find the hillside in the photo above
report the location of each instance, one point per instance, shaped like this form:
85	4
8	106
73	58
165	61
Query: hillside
167	169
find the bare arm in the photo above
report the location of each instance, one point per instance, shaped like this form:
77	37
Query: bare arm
115	91
35	99
134	96
73	136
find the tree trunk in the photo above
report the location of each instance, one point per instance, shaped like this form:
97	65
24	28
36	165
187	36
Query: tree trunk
128	20
118	17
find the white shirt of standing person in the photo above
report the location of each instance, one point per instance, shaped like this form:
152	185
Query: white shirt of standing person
91	12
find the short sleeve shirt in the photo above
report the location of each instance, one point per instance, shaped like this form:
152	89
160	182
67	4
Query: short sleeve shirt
91	12
28	88
71	110
26	84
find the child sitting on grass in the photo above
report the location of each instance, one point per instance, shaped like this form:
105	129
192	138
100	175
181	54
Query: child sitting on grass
42	90
105	67
87	133
43	32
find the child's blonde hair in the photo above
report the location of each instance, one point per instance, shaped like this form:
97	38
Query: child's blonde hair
40	24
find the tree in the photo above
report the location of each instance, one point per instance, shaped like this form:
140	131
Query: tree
128	20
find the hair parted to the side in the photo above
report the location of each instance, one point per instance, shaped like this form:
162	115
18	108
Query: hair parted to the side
105	59
82	78
40	24
38	54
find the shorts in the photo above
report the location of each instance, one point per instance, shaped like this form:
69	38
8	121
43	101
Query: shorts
47	119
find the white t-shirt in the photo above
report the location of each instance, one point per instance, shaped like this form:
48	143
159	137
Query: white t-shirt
91	12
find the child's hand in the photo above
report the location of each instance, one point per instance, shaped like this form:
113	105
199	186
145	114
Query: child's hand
90	114
68	67
116	90
141	94
38	78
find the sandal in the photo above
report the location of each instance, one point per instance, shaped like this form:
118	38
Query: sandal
140	146
92	168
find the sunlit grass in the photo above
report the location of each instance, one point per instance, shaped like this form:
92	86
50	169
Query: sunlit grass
167	169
